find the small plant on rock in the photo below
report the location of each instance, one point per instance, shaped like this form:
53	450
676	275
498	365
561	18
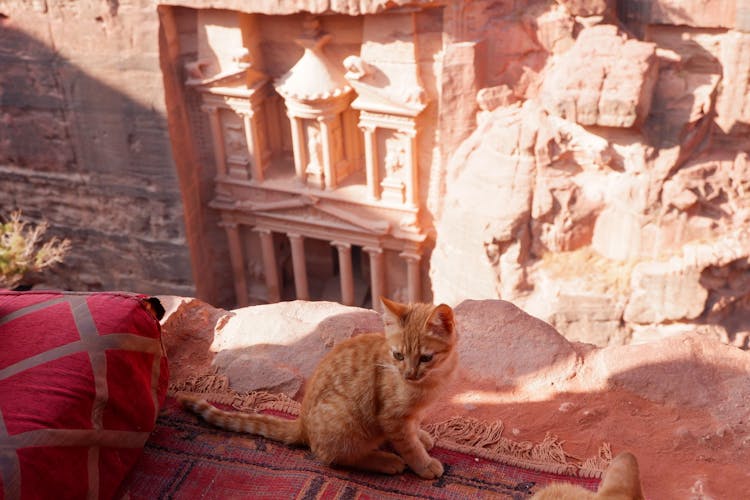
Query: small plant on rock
23	253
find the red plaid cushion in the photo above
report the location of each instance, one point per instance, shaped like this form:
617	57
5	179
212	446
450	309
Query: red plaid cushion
82	377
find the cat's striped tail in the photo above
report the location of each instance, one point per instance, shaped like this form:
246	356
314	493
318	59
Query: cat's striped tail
279	429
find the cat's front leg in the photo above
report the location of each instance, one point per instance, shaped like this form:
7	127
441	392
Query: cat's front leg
427	439
407	440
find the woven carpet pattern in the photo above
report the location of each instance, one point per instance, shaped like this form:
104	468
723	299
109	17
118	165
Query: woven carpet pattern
187	458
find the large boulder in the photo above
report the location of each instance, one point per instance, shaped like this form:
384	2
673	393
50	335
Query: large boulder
605	79
487	207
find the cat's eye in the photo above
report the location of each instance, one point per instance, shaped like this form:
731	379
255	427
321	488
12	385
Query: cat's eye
399	356
425	358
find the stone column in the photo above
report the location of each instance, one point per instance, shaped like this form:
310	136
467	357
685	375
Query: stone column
371	163
377	275
345	272
329	178
298	145
218	139
270	268
300	267
238	263
254	148
412	171
413	275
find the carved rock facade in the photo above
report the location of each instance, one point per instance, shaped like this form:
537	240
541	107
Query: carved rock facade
316	152
586	159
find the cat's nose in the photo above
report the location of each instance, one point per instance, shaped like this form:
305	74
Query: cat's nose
412	375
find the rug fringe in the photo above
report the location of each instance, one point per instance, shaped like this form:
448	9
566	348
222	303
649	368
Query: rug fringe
595	466
484	439
461	434
203	384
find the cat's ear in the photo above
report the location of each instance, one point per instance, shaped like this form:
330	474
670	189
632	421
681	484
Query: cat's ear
392	314
442	322
622	478
395	308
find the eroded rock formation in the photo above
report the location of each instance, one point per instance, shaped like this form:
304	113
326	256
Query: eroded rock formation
609	187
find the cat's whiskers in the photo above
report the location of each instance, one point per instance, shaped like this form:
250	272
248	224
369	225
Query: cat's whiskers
387	366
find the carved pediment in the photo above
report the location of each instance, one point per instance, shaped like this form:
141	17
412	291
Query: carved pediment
374	95
385	74
310	210
196	78
242	76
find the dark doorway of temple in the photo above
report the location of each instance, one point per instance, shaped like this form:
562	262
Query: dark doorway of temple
324	273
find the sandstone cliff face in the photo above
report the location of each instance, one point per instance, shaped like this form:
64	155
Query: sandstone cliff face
610	191
84	143
587	159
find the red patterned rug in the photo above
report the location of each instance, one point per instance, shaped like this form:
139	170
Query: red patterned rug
187	458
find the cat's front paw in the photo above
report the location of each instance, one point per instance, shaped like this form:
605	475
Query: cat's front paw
391	464
430	470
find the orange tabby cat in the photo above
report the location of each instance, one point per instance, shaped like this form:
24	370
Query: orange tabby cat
621	482
368	390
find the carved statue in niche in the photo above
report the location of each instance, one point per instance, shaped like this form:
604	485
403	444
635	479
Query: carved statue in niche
395	160
395	157
234	137
314	170
315	149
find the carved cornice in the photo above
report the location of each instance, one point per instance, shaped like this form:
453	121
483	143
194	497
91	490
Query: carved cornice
239	100
318	110
270	206
363	104
285	208
230	76
241	77
372	225
405	124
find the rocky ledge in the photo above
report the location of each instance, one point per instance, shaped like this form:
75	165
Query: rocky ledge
680	404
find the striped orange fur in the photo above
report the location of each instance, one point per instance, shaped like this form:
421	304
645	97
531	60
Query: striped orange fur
621	481
286	431
369	390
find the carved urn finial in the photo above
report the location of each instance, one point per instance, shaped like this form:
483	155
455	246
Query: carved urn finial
314	77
